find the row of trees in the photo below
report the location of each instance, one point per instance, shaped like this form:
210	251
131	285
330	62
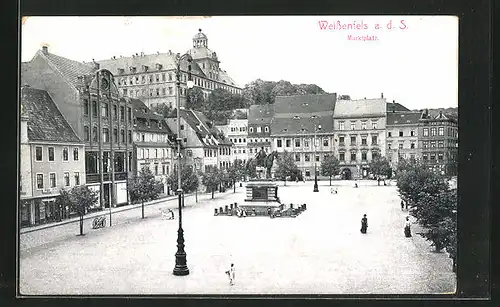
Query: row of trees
431	202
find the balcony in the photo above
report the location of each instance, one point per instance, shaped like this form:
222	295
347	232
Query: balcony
95	178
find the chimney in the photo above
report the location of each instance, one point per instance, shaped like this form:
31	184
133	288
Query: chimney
381	95
45	49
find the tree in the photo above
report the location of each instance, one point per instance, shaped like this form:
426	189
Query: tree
163	109
286	166
380	167
264	92
250	168
189	179
212	178
235	172
81	200
63	200
144	187
195	99
330	167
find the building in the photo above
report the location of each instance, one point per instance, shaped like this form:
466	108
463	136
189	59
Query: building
152	144
259	129
360	134
152	77
87	97
402	136
236	131
203	145
51	159
438	140
303	125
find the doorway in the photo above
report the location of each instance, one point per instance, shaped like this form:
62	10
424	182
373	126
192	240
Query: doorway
346	174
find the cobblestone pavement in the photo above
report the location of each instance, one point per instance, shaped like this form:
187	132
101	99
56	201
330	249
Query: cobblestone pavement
320	251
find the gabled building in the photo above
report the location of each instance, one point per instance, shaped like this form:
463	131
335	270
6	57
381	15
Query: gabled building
152	77
152	143
259	128
402	136
203	146
438	140
297	121
51	159
87	97
360	134
236	130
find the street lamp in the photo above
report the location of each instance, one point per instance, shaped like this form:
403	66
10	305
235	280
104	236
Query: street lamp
316	128
180	268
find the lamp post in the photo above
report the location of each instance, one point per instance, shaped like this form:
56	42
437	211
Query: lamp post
316	128
180	268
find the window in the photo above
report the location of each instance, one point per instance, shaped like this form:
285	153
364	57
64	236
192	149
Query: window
308	173
105	135
94	108
75	154
363	125
389	134
122	136
412	156
374	124
433	157
306	143
353	156
115	111
51	153
341	125
185	140
130	136
143	137
77	178
325	142
307	158
104	110
426	131
297	142
389	146
342	156
400	146
433	144
39	181
66	179
130	115
182	127
86	107
259	129
297	157
287	142
353	140
440	144
94	133
86	133
425	157
363	156
156	169
441	131
147	153
52	180
374	140
65	154
115	135
317	158
412	133
122	113
425	144
363	141
250	130
266	129
375	155
440	156
400	132
353	125
156	153
279	143
170	91
433	132
341	140
412	145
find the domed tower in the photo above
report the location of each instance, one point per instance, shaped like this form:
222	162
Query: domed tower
205	58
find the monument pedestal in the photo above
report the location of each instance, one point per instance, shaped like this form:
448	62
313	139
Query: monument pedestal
261	172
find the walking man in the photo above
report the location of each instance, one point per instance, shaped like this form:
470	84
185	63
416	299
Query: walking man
231	274
406	206
402	205
407	227
364	224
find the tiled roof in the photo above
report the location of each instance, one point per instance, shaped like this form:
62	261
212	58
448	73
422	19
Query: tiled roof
260	114
142	118
70	69
167	60
225	78
301	125
397	107
401	118
46	122
288	106
361	107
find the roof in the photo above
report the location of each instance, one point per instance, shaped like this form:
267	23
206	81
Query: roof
401	118
397	107
70	69
45	123
361	107
225	78
166	60
260	114
441	114
142	118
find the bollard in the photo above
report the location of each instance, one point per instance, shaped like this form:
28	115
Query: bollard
231	206
215	211
220	210
225	208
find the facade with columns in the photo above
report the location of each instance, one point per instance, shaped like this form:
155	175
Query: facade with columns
88	98
152	77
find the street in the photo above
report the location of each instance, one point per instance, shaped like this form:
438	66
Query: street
320	252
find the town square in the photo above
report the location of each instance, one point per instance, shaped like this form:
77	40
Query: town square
196	163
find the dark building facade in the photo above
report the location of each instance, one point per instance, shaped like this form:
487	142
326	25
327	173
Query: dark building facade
259	128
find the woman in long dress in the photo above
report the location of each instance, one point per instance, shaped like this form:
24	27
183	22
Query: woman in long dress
364	224
407	227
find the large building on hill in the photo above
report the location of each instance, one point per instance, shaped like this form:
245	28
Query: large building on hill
152	77
303	125
88	99
359	134
51	159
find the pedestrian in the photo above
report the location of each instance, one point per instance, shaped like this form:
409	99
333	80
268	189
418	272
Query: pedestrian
231	274
407	227
364	224
406	206
402	205
355	184
244	214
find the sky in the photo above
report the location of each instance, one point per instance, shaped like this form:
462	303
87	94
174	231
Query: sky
414	63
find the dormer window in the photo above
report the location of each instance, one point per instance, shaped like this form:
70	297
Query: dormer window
148	124
132	69
159	125
145	110
121	71
145	68
158	66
